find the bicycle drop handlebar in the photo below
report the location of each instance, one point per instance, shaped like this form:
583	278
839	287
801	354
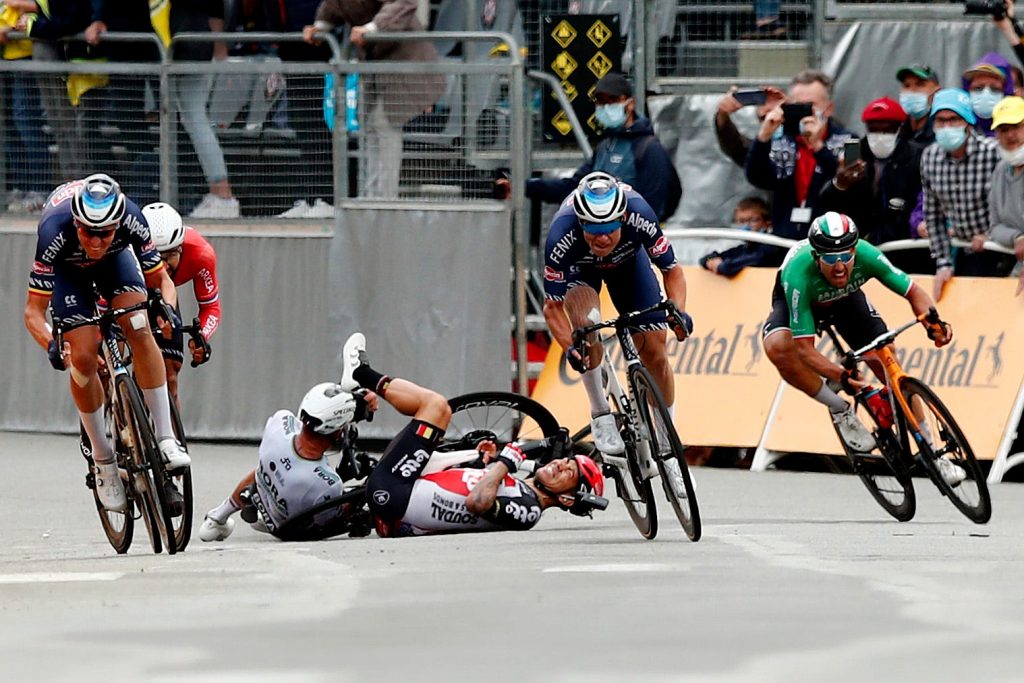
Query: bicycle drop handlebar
626	319
851	358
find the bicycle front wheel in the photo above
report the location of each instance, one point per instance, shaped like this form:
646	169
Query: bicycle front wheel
942	438
498	415
117	526
150	474
667	450
182	480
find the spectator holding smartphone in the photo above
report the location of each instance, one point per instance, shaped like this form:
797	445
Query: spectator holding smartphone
878	190
796	165
918	84
731	141
753	214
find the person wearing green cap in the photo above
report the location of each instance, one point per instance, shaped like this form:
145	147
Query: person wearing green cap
918	84
1006	197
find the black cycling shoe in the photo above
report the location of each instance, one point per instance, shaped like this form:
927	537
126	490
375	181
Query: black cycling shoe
175	502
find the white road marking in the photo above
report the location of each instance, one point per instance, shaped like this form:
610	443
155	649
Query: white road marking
611	568
60	577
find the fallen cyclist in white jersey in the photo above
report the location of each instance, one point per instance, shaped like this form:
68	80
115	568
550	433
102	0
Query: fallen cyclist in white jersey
408	493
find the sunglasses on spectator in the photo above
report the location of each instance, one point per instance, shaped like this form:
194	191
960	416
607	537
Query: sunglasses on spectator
832	259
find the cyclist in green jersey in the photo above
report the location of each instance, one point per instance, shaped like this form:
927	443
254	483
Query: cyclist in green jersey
820	282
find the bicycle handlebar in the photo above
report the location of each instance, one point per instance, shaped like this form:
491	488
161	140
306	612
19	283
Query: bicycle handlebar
852	357
625	319
194	333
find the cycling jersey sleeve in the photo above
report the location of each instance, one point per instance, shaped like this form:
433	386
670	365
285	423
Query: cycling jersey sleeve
642	217
515	512
881	268
140	239
560	253
207	292
798	302
50	244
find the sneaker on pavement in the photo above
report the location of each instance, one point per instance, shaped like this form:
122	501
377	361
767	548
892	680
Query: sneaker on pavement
175	455
320	209
952	473
300	209
109	488
855	434
353	355
213	206
606	434
212	530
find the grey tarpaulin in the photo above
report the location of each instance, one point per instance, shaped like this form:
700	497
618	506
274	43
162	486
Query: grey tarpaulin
431	291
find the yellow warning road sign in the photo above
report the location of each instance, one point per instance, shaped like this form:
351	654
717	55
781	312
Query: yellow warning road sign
564	65
561	123
564	34
599	33
599	64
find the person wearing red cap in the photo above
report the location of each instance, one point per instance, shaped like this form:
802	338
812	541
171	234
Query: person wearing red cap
879	189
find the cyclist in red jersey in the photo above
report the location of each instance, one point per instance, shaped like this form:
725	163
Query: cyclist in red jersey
188	257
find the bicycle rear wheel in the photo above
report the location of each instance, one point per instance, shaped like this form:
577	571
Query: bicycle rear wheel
884	472
182	480
668	451
150	475
498	415
943	438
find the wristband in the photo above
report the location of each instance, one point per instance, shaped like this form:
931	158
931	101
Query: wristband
511	456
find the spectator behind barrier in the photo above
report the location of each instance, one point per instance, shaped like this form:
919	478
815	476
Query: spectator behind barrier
1012	30
956	173
393	99
27	155
628	150
731	141
918	84
797	166
987	82
751	213
879	190
191	93
1006	197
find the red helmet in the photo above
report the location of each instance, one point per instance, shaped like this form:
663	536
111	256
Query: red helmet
591	479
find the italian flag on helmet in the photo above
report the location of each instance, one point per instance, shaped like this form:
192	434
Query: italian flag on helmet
833	232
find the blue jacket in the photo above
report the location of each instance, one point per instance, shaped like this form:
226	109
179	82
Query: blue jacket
635	156
739	257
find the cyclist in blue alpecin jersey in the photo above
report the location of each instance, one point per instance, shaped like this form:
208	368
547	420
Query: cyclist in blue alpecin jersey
93	239
605	232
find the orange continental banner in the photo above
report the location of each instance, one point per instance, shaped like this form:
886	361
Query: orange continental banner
724	384
977	376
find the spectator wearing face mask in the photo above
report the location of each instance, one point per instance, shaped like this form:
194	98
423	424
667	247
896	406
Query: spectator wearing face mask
918	84
956	174
628	150
987	82
1006	197
751	214
879	190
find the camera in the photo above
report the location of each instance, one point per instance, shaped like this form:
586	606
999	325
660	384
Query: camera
995	8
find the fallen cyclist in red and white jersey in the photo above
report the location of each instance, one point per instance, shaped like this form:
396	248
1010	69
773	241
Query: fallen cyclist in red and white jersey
409	495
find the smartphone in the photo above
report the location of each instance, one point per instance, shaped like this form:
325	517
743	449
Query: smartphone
751	97
851	152
791	116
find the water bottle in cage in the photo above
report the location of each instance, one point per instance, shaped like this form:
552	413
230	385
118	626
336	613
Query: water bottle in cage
878	401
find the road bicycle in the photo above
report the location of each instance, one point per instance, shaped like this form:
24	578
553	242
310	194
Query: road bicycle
496	416
913	429
148	485
652	443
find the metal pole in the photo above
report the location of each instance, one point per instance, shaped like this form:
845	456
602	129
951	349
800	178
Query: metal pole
168	148
639	31
818	39
518	164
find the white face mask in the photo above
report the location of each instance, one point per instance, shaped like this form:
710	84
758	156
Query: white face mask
1014	158
882	144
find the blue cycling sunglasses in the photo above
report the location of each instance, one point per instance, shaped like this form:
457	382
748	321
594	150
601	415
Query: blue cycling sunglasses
832	259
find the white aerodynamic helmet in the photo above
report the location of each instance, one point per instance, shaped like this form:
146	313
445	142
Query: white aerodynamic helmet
326	408
165	226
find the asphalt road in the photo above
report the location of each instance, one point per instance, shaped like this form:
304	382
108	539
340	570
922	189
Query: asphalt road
799	577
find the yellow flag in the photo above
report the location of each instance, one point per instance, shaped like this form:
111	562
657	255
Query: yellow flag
160	17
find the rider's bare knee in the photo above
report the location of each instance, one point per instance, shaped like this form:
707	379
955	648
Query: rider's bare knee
580	302
434	409
84	359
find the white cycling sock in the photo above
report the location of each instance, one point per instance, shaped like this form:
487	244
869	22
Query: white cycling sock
592	382
834	401
160	408
221	513
96	427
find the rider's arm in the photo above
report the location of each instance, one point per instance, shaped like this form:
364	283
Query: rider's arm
675	286
485	494
207	292
159	279
558	323
813	359
35	318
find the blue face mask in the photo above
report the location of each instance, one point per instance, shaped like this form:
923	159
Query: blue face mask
984	101
743	226
611	115
951	138
914	103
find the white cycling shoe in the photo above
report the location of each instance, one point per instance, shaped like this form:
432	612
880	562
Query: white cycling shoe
352	356
855	434
212	530
606	434
952	473
109	488
175	455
